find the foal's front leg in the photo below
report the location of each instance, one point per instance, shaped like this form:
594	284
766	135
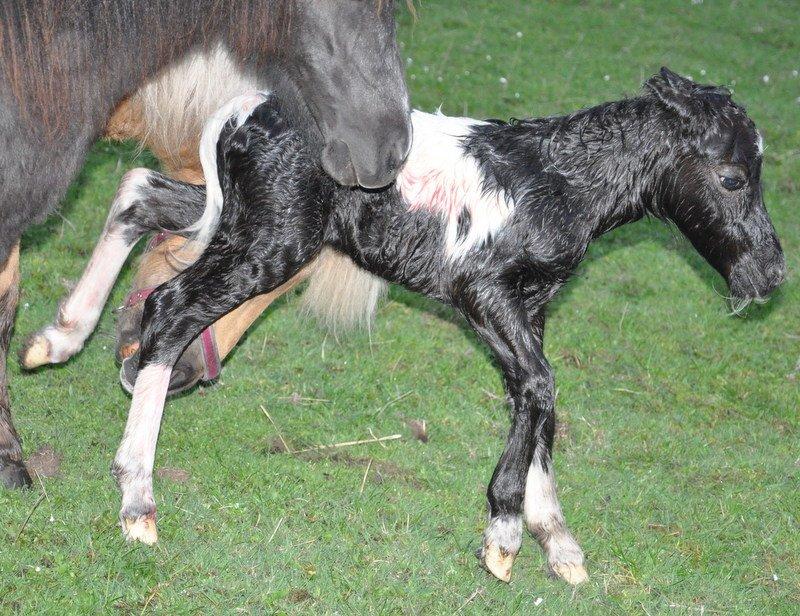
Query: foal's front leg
523	473
145	201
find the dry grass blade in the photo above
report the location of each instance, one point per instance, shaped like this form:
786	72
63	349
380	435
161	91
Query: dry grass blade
364	479
274	425
365	441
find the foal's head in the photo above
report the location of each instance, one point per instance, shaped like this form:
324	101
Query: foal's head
712	188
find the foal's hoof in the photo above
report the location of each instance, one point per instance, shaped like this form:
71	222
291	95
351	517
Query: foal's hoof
35	352
142	529
497	561
13	474
571	573
565	558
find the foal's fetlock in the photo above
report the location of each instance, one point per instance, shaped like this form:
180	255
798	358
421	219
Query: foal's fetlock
53	344
502	540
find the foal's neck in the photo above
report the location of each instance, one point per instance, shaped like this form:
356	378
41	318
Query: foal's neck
605	160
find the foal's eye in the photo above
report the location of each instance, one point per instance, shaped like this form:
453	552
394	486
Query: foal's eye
731	183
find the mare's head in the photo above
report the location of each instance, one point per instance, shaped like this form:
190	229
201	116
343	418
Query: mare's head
343	58
711	188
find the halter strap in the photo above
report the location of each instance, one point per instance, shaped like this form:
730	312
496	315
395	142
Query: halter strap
212	365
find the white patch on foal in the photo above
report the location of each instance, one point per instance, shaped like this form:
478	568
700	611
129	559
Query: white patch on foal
239	107
545	520
438	176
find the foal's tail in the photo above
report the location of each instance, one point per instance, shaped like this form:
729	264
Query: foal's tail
238	109
340	294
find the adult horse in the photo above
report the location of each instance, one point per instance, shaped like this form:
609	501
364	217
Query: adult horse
65	67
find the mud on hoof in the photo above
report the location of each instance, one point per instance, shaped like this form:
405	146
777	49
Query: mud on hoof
189	370
13	474
501	543
140	528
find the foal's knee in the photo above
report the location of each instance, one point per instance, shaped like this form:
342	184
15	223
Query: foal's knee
129	191
536	394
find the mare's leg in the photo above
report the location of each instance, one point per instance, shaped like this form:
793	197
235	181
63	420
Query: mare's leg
542	511
174	314
145	201
12	468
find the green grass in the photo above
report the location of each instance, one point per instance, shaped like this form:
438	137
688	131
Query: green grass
678	458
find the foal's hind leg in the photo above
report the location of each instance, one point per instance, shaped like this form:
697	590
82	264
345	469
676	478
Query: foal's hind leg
174	315
529	383
542	511
145	201
544	518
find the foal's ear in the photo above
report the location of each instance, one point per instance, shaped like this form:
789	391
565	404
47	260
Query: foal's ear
674	91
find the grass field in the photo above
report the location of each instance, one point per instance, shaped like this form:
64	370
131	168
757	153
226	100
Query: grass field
678	458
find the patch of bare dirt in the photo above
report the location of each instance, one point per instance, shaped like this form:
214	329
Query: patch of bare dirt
176	475
45	462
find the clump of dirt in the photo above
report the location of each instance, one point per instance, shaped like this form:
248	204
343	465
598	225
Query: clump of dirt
45	462
276	445
176	475
419	429
299	595
380	470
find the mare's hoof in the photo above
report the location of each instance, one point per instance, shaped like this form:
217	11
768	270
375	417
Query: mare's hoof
141	529
127	350
497	561
13	474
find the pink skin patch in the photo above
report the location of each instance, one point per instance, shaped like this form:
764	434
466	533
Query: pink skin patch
440	178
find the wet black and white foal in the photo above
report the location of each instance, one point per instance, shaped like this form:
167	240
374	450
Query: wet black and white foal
491	218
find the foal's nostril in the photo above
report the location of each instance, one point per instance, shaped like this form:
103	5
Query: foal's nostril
776	274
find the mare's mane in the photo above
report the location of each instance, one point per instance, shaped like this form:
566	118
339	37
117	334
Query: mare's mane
55	54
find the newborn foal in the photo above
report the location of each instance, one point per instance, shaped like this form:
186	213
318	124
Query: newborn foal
489	217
